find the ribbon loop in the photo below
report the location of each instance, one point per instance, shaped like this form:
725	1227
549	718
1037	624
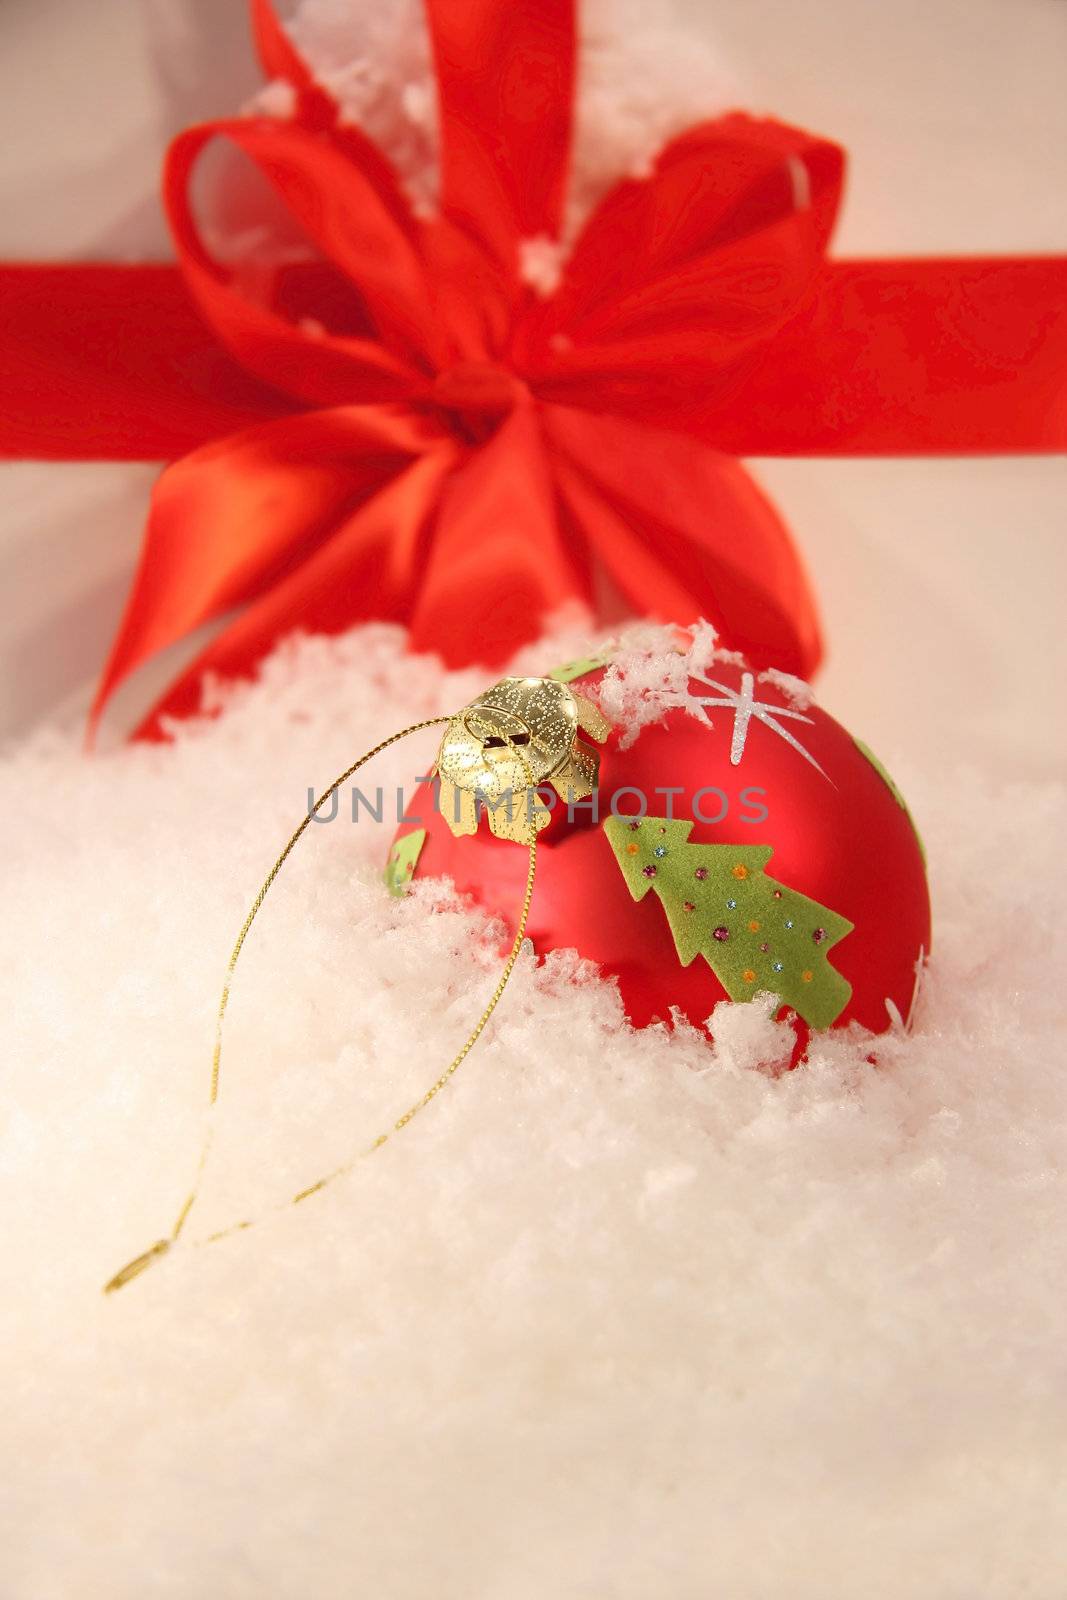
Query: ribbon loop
343	213
704	260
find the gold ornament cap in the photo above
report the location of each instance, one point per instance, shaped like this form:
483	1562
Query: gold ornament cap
499	750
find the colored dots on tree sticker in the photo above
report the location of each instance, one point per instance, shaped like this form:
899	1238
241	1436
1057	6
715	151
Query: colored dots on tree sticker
768	937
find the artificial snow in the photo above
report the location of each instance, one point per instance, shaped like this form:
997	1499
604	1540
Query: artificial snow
650	670
797	691
620	1315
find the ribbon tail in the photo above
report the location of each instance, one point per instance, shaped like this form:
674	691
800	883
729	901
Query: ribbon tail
684	533
368	569
500	560
232	521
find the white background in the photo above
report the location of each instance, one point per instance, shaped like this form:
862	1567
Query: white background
941	580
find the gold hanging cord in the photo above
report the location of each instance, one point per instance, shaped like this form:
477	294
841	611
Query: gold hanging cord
135	1267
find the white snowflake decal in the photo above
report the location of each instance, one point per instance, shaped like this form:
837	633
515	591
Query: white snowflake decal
898	1023
745	707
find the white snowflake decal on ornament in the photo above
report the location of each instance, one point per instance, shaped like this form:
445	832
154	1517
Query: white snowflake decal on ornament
899	1024
745	707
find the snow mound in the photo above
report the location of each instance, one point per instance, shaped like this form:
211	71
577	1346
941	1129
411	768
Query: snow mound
621	1314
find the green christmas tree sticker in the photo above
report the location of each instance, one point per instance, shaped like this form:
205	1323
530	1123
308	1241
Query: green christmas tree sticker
754	933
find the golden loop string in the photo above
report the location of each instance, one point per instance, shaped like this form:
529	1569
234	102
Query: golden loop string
135	1267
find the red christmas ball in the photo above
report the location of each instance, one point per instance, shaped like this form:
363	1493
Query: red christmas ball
742	843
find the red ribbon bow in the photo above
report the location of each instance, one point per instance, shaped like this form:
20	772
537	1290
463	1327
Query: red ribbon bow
420	436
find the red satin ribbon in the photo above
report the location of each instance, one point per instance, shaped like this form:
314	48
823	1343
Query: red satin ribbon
401	428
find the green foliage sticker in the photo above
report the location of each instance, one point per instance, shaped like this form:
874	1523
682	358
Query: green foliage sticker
579	669
403	858
886	777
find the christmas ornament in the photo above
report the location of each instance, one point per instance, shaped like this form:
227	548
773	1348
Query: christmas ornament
417	415
741	842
